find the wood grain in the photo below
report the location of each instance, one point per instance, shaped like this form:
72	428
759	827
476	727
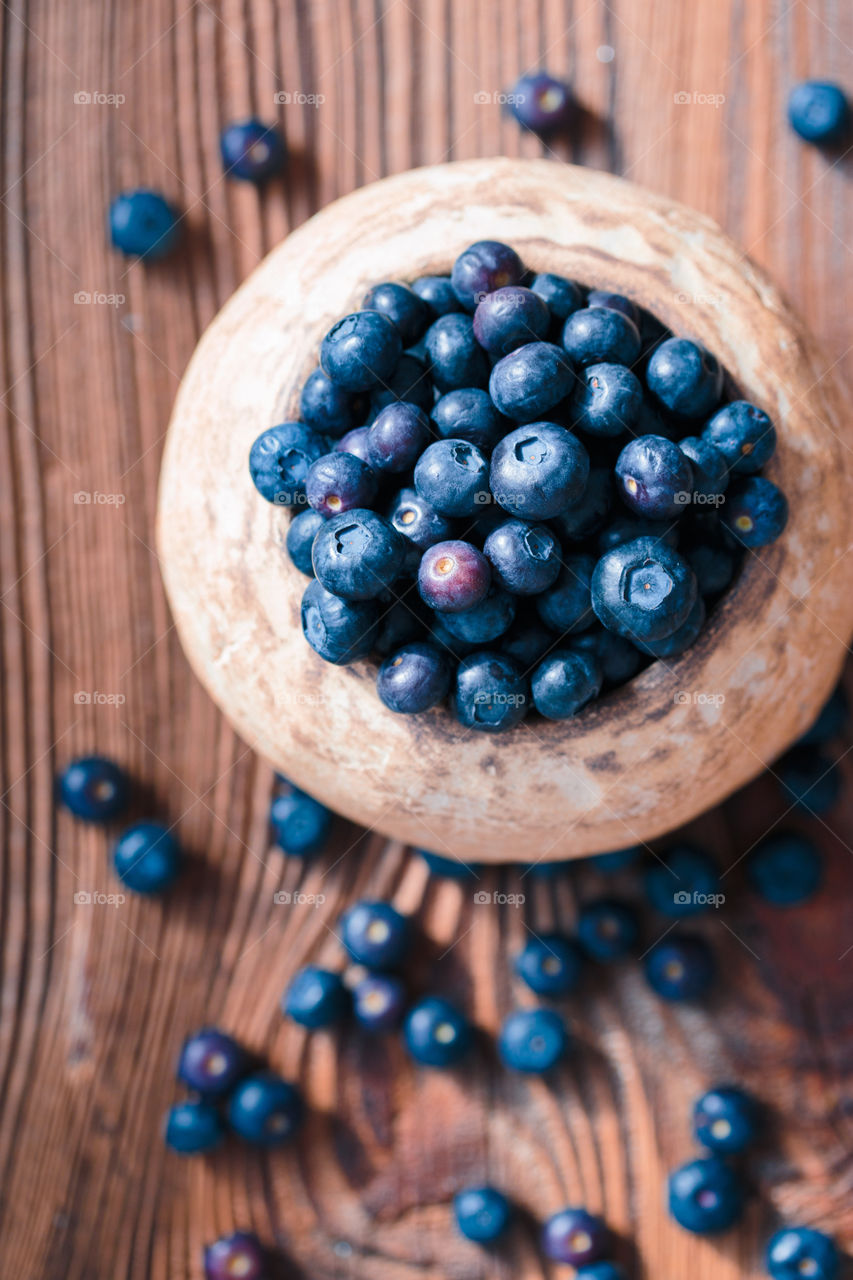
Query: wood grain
96	999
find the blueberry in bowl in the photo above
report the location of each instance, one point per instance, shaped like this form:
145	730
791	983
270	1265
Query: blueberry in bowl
538	471
358	554
643	590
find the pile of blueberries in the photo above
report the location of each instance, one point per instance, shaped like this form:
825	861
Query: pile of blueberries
513	490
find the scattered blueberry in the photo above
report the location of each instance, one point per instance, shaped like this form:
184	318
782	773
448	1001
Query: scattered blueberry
533	1040
340	631
684	378
785	868
482	268
531	380
643	590
193	1127
685	883
436	1033
143	224
94	788
795	1252
601	1271
414	678
147	858
300	824
600	335
819	112
618	860
681	967
809	779
375	934
705	1195
756	511
550	965
743	434
316	998
450	868
265	1110
453	477
238	1255
212	1062
832	720
379	1002
538	471
725	1120
575	1236
252	151
607	929
453	576
541	103
482	1214
280	459
361	351
492	694
654	478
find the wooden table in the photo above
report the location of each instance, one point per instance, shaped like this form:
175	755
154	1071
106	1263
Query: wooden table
96	998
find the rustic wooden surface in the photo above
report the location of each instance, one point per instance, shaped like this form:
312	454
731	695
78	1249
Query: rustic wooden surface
96	998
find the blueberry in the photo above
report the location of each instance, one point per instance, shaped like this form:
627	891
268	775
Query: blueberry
436	1033
450	868
538	471
743	434
600	335
361	351
795	1252
379	1001
252	151
240	1254
279	461
339	482
415	678
400	625
509	318
588	515
819	112
607	929
525	558
709	466
643	590
531	380
725	1120
607	400
375	934
527	642
300	824
265	1110
619	860
357	554
147	858
325	407
561	296
541	103
94	788
485	621
410	381
575	1236
468	414
618	659
453	576
654	478
680	640
301	532
714	568
193	1127
482	1214
354	442
684	378
492	694
454	356
412	516
681	967
831	721
437	292
705	1195
756	511
316	998
533	1040
482	268
453	477
785	868
143	224
340	631
601	1271
624	528
682	884
809	779
550	965
212	1062
615	302
567	606
564	683
402	306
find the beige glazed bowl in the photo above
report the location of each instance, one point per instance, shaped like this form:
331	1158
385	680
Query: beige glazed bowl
651	756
